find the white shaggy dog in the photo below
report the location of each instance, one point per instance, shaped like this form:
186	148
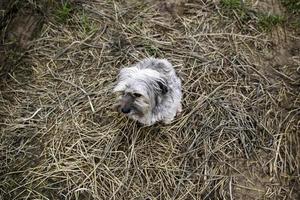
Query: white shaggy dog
149	91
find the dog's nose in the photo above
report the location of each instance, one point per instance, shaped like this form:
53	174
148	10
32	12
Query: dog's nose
125	110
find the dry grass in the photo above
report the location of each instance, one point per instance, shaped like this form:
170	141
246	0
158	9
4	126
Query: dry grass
237	138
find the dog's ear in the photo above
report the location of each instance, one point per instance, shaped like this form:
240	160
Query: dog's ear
127	72
124	74
163	87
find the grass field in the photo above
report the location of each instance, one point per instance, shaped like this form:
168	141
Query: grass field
238	136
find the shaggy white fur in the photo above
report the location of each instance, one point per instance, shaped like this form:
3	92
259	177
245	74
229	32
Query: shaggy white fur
150	91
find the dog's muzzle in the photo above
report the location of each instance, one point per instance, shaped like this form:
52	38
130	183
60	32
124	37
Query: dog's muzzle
125	104
125	110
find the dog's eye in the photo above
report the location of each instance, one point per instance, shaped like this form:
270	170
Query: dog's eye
137	95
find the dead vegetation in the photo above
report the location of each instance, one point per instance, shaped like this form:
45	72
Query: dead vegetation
238	135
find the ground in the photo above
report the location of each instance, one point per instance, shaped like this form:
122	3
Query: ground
238	135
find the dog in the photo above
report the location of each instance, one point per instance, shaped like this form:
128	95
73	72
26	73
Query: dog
149	92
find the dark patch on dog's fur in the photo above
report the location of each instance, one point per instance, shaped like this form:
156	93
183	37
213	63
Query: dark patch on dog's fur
163	87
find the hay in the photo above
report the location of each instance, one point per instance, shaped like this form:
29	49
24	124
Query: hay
238	135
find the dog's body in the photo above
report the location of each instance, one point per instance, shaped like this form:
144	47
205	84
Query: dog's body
150	91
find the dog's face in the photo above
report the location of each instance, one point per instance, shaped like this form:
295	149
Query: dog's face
139	91
133	102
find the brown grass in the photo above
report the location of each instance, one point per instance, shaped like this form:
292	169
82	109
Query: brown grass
238	135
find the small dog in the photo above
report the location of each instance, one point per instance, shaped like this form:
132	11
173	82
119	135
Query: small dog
149	92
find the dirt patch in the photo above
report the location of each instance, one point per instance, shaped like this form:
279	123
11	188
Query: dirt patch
20	24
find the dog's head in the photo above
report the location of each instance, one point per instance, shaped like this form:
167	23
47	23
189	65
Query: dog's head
139	91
